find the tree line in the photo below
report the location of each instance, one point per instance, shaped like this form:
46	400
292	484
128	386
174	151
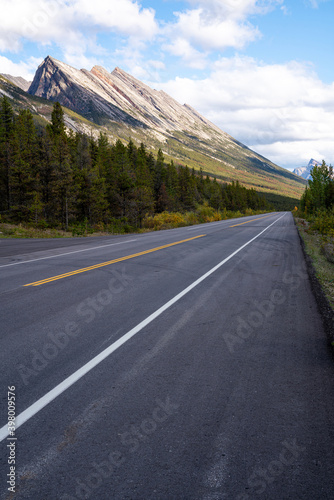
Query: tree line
55	177
319	193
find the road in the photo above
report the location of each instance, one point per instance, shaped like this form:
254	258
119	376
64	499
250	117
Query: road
181	364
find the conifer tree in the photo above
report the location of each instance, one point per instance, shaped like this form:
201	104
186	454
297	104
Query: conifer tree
24	174
6	151
57	126
172	183
159	177
62	174
143	194
215	195
121	193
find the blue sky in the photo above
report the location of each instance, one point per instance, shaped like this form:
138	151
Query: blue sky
262	70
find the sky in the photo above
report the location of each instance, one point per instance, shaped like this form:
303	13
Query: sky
262	70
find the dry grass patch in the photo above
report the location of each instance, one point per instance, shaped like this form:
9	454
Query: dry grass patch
321	250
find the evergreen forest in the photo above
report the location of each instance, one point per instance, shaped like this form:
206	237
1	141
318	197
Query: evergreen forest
53	177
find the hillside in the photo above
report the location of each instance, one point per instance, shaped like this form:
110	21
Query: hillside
124	107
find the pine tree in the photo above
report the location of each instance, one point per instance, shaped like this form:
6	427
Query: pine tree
143	194
132	154
159	176
46	174
6	151
216	195
120	191
62	189
24	175
57	126
186	188
172	184
102	156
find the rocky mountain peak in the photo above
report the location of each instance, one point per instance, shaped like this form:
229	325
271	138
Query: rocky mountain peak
305	172
312	163
122	106
98	94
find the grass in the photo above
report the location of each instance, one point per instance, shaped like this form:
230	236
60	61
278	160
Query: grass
28	231
320	249
23	231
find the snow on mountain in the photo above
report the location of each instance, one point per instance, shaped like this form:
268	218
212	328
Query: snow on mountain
305	172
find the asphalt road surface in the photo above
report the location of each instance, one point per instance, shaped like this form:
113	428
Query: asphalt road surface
181	364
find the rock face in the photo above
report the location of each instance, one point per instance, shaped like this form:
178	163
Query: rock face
18	81
305	172
118	96
118	104
78	90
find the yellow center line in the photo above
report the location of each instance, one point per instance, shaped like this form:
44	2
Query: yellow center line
102	264
251	220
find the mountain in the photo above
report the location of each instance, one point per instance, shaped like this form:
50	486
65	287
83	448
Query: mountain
117	96
305	172
18	81
42	109
121	106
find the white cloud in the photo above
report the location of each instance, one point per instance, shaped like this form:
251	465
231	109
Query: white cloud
124	16
235	9
314	3
282	111
65	22
212	33
156	64
181	47
298	153
214	25
25	69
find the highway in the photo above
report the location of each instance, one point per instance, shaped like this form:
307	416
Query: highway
182	364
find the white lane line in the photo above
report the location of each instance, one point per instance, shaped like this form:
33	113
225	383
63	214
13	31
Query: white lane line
67	253
68	382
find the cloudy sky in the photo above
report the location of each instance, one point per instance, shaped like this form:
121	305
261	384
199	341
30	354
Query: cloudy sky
263	71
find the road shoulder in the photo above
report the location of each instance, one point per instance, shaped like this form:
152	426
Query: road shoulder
323	302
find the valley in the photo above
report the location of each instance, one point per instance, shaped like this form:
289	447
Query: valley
122	107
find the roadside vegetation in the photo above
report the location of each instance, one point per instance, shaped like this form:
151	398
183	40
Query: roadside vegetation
315	221
54	183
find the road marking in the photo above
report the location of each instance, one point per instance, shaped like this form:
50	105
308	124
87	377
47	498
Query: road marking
77	375
108	263
251	220
67	253
200	226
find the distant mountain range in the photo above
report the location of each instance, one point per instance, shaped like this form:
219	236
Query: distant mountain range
122	107
305	172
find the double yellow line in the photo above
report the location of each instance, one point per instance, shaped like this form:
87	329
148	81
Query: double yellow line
108	263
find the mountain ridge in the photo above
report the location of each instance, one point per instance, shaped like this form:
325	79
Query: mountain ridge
122	106
18	81
305	172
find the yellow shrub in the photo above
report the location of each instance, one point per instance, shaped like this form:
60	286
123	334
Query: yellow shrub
165	220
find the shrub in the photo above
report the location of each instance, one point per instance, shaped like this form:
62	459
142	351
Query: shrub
323	222
164	220
205	213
